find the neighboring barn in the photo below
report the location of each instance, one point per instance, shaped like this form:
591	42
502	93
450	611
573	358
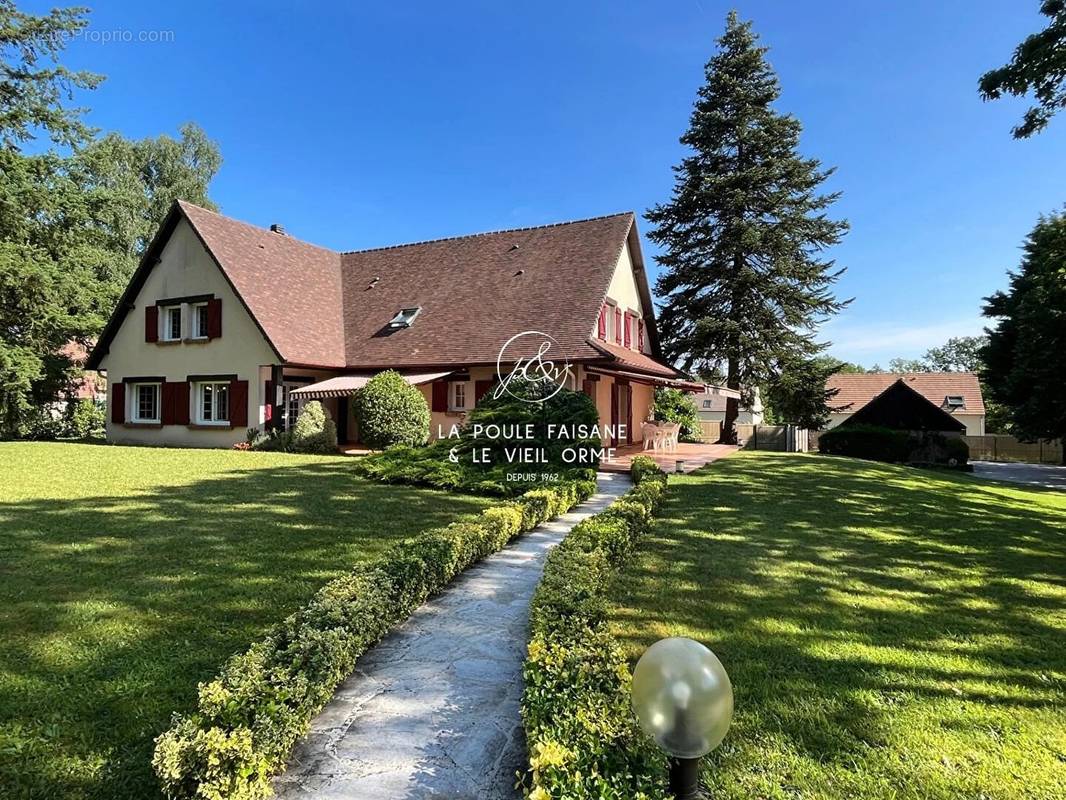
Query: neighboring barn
901	407
957	394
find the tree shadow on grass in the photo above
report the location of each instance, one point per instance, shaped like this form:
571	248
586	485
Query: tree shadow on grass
877	622
112	608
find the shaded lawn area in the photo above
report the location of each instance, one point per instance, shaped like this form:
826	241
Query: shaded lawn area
129	574
890	632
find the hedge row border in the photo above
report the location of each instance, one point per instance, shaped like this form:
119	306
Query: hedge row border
582	738
248	719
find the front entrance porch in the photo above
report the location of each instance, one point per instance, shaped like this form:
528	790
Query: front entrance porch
691	455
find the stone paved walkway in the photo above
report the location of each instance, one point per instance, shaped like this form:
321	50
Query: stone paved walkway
433	710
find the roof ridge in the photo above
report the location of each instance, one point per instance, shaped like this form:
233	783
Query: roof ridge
489	233
259	228
903	374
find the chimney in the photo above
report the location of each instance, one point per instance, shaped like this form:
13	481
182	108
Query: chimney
276	228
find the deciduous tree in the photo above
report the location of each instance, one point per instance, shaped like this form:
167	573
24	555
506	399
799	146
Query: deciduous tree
1038	66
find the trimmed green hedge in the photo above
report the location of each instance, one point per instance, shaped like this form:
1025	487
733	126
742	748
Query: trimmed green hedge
877	443
430	466
247	719
582	737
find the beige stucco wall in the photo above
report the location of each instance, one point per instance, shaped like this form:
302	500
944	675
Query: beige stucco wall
975	423
623	292
187	269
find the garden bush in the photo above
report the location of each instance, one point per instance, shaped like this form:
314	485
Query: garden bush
866	441
314	431
876	443
391	411
432	466
582	739
85	419
674	405
248	718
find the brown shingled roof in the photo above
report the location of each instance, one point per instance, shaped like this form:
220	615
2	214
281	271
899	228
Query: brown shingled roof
292	288
477	291
635	360
322	308
857	389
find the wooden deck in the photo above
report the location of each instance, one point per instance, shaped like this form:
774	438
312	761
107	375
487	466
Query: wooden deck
692	456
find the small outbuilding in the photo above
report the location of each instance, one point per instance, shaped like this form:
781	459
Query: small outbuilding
902	407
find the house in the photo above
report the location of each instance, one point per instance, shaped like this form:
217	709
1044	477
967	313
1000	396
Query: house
957	394
227	326
710	406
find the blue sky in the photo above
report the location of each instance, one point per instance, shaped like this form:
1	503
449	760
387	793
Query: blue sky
392	122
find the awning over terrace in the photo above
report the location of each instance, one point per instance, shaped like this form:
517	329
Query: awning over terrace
659	380
347	385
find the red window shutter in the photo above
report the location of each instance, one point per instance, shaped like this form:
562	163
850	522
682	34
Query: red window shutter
268	404
601	328
589	388
480	389
440	396
118	403
618	325
166	403
640	335
151	323
238	404
214	318
179	403
629	332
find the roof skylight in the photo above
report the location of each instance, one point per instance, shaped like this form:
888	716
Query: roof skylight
405	318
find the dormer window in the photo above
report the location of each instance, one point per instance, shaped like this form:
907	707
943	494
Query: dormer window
954	401
405	318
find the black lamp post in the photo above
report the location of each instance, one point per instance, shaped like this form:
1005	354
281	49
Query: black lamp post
683	700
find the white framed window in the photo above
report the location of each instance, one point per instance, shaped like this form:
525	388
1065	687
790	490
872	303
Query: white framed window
199	320
459	394
212	403
707	403
144	402
292	405
171	323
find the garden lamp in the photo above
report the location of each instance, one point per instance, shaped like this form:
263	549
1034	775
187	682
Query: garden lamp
683	700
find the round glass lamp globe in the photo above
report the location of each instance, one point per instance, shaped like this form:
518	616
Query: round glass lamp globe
682	697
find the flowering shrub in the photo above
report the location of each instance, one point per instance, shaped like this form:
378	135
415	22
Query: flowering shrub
247	719
582	738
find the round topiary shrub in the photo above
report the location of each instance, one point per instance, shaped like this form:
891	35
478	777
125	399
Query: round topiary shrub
391	411
314	431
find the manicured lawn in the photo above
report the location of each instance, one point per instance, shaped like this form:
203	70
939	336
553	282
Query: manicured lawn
890	632
127	575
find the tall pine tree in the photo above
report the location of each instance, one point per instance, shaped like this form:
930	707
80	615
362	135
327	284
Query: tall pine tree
745	281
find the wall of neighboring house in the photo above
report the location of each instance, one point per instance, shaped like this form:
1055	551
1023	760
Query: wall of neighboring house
745	416
975	423
186	269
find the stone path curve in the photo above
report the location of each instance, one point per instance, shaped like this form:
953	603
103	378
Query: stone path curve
433	710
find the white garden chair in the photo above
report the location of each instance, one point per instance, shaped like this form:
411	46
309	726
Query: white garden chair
652	435
671	432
